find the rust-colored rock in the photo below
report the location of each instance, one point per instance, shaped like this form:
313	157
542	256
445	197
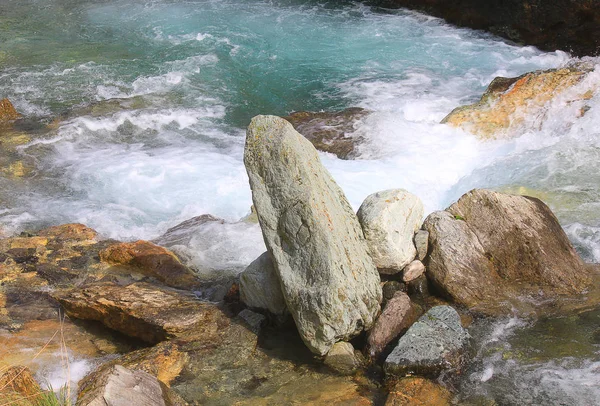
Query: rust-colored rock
417	391
17	384
74	232
331	132
8	111
509	101
141	310
490	249
151	260
398	315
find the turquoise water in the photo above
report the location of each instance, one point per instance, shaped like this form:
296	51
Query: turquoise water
154	97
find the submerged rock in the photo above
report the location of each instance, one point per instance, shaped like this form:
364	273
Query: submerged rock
436	342
389	220
7	111
119	386
260	288
330	284
417	391
151	260
141	310
489	249
331	132
343	359
508	102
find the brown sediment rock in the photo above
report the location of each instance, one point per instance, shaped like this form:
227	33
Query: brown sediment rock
489	250
508	101
417	391
151	260
142	310
7	111
332	132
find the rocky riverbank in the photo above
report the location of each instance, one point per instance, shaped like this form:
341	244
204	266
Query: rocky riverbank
375	297
568	25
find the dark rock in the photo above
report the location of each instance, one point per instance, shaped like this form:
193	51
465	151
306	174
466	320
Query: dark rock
569	25
418	286
436	342
331	132
141	310
490	249
391	287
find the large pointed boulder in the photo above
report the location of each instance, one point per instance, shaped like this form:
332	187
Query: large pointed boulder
329	282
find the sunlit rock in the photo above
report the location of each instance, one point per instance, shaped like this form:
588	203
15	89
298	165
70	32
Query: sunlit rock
490	249
509	102
329	281
389	220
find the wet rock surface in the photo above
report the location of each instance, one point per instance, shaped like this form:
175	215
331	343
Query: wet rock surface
508	102
489	249
436	342
141	310
332	132
151	260
330	283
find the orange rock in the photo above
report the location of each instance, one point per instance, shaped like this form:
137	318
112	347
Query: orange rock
416	391
151	260
17	383
8	111
508	101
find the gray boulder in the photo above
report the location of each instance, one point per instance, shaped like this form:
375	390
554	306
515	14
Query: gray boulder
436	342
260	288
329	282
490	249
389	220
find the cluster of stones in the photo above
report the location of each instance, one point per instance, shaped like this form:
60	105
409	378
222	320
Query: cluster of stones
338	274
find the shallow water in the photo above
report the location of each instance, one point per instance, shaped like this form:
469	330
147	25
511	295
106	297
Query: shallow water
155	96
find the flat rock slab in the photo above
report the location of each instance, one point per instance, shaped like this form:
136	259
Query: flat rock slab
142	310
434	343
329	282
